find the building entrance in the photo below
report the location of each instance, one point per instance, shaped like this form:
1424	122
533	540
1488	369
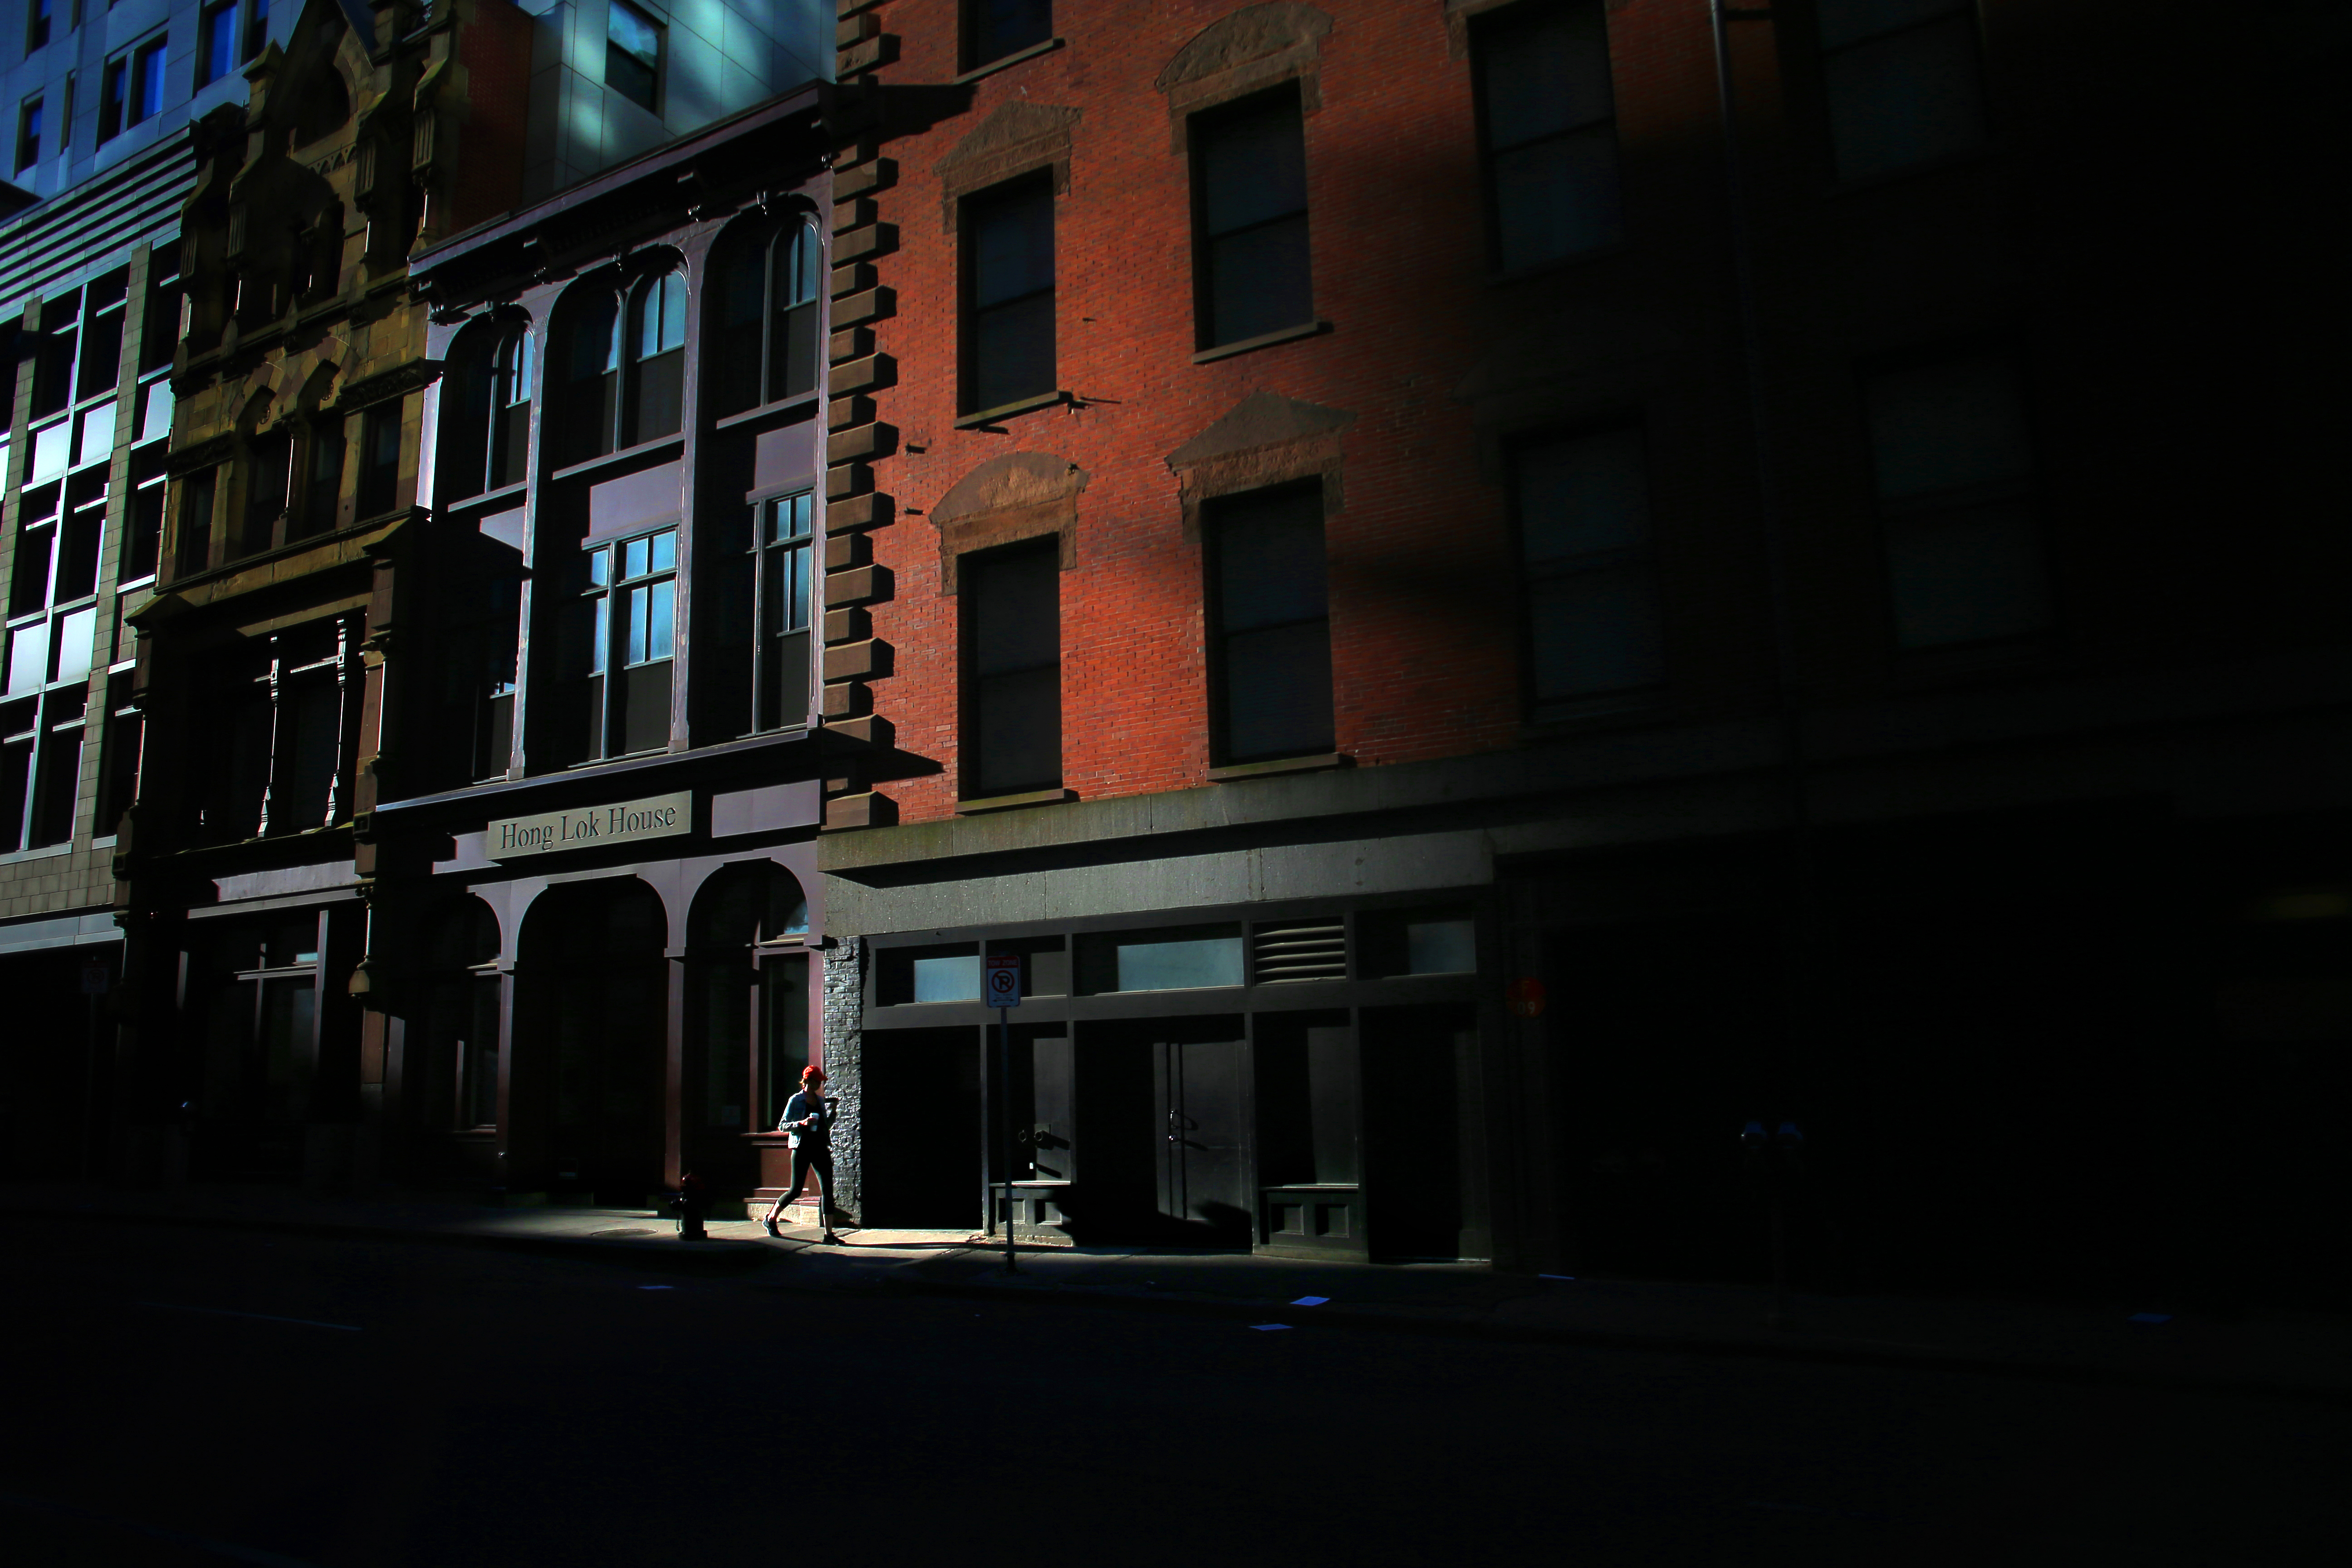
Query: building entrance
590	1029
1162	1118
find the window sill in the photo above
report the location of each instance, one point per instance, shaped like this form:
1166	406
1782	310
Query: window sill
1262	340
1003	62
1319	763
487	501
620	460
44	852
1008	410
1009	802
1556	266
1866	182
769	411
1616	712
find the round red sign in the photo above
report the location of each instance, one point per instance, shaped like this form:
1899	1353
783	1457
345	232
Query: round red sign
1524	997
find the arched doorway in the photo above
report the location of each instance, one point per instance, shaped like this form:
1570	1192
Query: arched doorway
748	1029
452	1092
586	1087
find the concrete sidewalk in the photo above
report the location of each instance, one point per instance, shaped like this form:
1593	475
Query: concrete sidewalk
2298	1355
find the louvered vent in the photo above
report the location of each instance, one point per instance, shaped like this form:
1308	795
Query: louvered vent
1303	951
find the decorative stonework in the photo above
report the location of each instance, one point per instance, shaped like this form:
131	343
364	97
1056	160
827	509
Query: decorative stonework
1265	439
1016	139
1253	48
1022	495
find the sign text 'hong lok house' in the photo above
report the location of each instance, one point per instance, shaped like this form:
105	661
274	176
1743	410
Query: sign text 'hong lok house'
624	822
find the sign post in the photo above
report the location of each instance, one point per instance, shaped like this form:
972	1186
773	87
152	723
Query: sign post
1001	989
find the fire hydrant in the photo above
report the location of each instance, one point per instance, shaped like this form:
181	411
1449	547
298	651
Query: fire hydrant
692	1203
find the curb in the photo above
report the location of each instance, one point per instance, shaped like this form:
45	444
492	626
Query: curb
665	1256
723	1258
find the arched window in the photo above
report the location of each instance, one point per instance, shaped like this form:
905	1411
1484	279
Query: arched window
485	410
658	328
767	327
623	370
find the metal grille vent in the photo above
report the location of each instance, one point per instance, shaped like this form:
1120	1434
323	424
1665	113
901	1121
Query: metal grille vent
1316	950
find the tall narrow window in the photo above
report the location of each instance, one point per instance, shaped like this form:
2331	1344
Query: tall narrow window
1270	655
510	412
196	537
113	89
995	29
216	40
378	487
1012	655
267	489
36	28
1955	468
256	28
119	755
766	344
1904	82
1253	275
617	643
658	334
1591	605
633	51
147	81
66	113
784	579
28	134
1009	293
323	478
1548	116
593	374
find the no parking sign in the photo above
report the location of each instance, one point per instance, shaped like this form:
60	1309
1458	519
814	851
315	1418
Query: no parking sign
1001	980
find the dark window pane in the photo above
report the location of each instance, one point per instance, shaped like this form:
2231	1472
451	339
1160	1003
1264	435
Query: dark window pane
661	396
1593	631
123	734
196	520
144	536
379	460
1947	427
1582	494
1020	722
1253	166
1250	168
1550	131
1013	646
592	375
1000	27
147	82
1278	692
1013	352
1846	22
1969	575
1544	69
742	285
1260	282
266	480
1270	566
633	54
1907	99
1274	642
1010	283
793	354
322	487
309	747
644	707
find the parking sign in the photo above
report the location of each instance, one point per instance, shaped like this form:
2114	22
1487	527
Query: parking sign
1001	978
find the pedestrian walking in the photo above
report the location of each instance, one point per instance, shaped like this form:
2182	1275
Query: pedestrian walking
808	1117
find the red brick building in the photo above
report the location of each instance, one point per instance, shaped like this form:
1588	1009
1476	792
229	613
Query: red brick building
1343	514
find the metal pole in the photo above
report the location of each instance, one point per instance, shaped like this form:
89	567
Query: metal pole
1005	1123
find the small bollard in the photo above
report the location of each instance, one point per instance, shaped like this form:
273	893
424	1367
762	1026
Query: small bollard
692	1203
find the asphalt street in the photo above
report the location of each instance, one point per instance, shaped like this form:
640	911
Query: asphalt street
183	1396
